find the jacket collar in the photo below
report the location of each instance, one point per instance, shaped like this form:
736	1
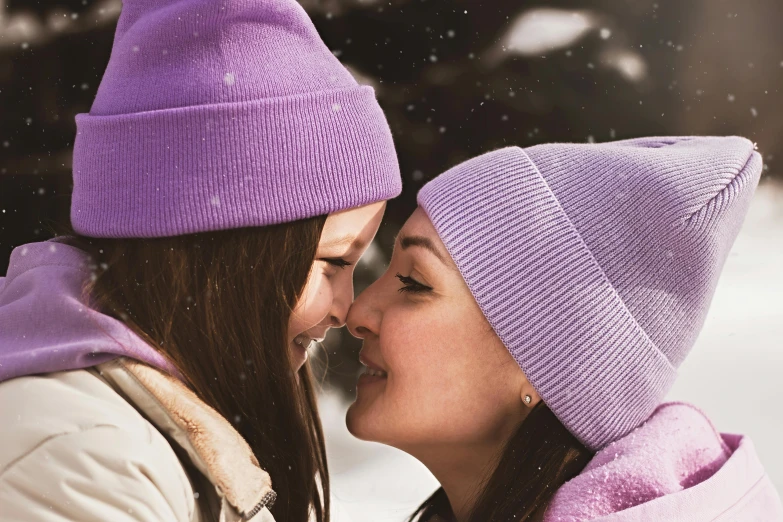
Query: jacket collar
216	449
676	449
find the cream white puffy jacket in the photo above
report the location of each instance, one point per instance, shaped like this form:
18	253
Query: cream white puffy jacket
122	441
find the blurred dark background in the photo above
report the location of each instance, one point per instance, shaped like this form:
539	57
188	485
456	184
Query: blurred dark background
456	78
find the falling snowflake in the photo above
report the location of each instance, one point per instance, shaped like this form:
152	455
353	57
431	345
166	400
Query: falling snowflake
336	107
605	33
215	201
228	79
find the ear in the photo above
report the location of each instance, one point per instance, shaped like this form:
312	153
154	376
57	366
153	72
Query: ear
528	395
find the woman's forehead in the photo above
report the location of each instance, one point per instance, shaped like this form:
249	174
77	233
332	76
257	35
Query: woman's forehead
420	225
352	228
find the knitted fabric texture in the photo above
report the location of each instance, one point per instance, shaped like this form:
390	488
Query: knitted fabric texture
215	115
596	264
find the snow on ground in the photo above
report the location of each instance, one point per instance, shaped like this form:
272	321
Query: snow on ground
734	373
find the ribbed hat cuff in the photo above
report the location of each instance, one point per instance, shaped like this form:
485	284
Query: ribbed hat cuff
192	169
546	297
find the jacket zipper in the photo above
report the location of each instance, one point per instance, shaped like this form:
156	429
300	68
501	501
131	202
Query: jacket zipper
267	501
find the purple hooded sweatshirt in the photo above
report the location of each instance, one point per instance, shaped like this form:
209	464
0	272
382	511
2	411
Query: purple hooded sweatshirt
47	324
676	468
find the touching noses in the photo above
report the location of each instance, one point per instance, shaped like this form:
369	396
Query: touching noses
364	315
341	302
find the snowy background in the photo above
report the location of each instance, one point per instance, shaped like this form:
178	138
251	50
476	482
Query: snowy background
456	79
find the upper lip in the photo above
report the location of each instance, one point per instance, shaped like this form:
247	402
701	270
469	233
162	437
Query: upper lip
369	363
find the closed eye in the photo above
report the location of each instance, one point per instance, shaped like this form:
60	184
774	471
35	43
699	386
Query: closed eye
337	261
411	285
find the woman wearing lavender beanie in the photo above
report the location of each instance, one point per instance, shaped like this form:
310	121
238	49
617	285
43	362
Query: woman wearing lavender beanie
153	360
590	268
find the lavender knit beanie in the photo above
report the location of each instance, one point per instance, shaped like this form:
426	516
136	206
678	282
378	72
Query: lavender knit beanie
596	264
214	114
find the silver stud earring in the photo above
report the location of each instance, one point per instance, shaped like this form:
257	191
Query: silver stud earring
528	399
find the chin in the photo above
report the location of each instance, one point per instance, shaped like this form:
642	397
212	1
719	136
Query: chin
351	422
355	421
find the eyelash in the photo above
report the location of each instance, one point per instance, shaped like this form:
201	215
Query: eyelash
337	261
411	285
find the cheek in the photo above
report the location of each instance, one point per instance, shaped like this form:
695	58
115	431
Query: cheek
313	306
444	371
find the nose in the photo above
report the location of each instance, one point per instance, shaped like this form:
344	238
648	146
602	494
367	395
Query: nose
365	314
341	302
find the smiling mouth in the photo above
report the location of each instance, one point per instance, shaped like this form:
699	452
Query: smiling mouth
373	373
303	340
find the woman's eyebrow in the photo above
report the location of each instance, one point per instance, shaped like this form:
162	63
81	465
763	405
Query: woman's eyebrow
423	242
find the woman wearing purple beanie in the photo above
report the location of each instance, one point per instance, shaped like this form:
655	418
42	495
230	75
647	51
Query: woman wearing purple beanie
536	308
227	178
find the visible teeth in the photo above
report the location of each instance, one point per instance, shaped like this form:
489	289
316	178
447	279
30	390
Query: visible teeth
375	373
302	340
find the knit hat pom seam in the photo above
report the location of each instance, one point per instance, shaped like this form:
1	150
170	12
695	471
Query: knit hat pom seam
738	177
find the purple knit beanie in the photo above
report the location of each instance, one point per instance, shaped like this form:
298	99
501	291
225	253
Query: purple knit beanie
596	264
214	114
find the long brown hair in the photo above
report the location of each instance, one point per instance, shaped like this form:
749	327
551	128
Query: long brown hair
217	304
537	459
